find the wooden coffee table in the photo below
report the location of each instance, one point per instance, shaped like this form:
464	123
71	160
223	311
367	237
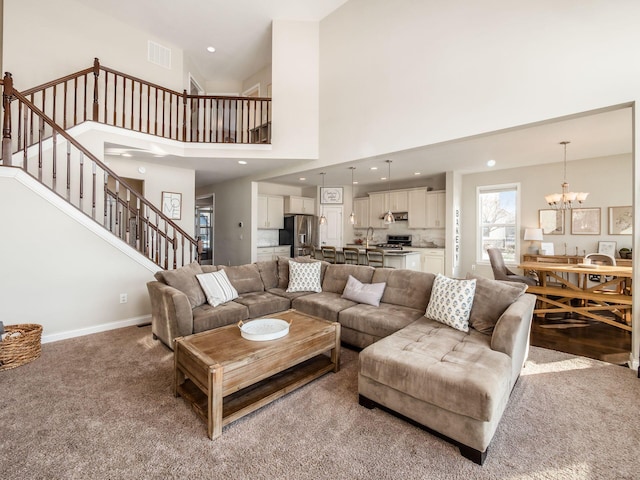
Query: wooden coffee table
225	377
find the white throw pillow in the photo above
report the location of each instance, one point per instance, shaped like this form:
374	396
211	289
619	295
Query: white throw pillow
369	293
217	287
451	301
304	277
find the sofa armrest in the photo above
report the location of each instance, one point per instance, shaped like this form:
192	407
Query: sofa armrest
511	333
171	313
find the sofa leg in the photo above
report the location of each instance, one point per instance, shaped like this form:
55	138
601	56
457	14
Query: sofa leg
472	454
366	403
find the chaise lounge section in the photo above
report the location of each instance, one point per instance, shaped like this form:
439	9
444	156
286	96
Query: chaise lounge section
454	383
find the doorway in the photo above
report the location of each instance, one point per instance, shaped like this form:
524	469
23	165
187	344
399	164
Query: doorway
331	233
204	228
194	89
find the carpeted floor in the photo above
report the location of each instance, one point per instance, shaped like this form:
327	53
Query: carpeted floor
101	407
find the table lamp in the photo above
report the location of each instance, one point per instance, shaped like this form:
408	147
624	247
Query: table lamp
533	235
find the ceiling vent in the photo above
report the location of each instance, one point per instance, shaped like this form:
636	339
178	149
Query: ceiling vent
159	55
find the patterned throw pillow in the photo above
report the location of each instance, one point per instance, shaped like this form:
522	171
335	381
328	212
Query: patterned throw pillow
304	277
217	287
451	301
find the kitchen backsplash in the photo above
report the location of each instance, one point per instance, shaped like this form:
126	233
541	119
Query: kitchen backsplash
419	238
268	238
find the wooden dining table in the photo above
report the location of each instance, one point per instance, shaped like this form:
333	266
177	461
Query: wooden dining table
587	290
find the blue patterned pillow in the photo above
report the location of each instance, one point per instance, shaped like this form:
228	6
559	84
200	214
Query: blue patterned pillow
304	277
451	302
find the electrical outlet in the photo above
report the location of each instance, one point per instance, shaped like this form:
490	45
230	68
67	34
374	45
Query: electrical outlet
123	298
473	267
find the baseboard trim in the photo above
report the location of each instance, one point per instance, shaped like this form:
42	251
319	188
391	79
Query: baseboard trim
80	332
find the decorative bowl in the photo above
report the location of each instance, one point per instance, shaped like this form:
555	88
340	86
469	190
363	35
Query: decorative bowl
263	329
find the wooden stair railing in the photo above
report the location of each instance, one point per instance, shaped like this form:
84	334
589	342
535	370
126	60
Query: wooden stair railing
104	95
52	156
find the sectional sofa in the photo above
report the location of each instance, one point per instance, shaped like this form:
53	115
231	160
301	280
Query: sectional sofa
453	383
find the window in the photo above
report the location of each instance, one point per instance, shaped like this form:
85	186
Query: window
498	221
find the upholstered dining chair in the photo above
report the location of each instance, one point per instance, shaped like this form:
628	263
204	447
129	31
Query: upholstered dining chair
351	255
603	259
375	257
501	272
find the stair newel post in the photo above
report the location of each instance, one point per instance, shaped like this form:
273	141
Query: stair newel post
184	116
96	74
6	122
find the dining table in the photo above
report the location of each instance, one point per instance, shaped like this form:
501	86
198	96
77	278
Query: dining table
588	290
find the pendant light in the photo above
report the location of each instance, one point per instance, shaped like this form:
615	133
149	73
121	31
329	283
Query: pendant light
323	219
388	217
352	217
566	199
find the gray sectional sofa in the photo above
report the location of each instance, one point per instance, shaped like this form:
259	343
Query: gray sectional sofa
455	384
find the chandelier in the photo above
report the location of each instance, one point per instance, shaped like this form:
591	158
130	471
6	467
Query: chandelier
565	200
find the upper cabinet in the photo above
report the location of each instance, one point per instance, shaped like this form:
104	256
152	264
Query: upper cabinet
398	201
361	209
417	208
300	205
270	212
378	205
436	209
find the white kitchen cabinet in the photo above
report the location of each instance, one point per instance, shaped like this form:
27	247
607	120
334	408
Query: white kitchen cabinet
436	209
270	212
272	253
417	208
361	209
407	261
378	206
300	205
398	201
433	260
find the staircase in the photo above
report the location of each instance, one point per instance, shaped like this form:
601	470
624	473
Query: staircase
35	138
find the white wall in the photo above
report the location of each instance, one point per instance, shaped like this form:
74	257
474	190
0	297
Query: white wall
48	40
608	181
60	274
262	77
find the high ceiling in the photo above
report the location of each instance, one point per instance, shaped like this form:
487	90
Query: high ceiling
240	30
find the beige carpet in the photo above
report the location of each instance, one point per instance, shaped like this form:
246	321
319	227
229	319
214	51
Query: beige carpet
101	406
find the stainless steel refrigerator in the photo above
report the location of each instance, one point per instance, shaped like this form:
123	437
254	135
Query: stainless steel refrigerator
300	231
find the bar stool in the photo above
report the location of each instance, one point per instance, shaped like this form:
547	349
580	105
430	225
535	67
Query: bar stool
375	257
328	254
351	255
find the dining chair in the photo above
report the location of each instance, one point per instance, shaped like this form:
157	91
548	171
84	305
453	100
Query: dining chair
375	257
501	272
603	259
351	255
329	254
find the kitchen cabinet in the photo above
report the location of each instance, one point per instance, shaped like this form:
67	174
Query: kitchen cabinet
436	209
378	205
300	205
361	209
398	201
417	208
270	212
406	260
433	261
272	253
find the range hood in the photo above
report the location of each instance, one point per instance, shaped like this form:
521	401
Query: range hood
397	216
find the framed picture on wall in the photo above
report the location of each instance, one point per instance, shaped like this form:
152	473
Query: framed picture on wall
608	248
585	221
621	220
551	221
172	205
331	195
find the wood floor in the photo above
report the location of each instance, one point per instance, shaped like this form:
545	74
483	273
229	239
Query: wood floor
582	337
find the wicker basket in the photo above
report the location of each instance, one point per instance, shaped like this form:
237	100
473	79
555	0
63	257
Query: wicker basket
23	349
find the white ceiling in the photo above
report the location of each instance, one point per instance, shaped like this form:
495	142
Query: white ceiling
241	32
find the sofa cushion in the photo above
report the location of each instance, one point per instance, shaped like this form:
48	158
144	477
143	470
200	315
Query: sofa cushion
206	317
304	277
245	278
268	273
263	303
444	367
217	287
184	279
209	268
325	305
451	301
368	293
335	278
378	321
405	287
491	299
281	292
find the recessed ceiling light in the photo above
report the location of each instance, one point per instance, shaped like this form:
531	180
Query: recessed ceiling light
491	163
211	49
302	179
416	173
242	162
383	178
355	182
126	154
373	168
